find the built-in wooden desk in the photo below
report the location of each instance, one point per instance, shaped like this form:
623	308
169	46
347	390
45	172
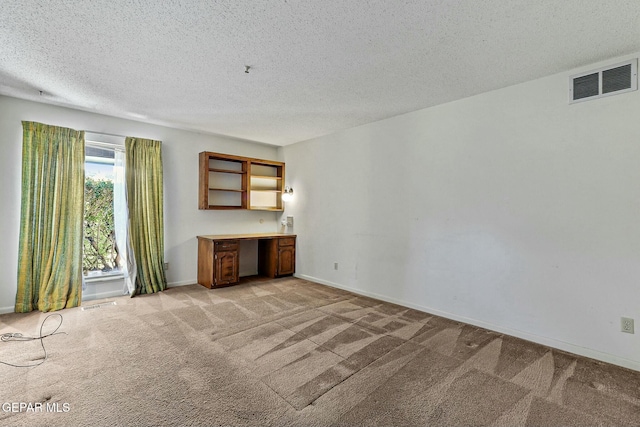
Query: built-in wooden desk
219	256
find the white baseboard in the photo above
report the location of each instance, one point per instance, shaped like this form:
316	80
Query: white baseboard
182	283
4	310
549	342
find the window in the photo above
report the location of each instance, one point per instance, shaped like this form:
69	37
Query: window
100	251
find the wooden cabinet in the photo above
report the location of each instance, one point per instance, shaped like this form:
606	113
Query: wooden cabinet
286	256
226	263
218	263
277	257
219	255
235	182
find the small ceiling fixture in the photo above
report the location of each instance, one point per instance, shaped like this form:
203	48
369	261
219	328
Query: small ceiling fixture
246	69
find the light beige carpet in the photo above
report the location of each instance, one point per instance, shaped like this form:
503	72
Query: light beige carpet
288	352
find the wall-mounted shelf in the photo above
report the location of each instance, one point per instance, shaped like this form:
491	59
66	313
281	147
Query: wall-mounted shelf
225	171
235	182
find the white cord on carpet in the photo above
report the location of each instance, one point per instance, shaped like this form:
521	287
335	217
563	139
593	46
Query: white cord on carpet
16	336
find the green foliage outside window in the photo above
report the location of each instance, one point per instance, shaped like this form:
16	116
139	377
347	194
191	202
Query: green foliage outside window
100	252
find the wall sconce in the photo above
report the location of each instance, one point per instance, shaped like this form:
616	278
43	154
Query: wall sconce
287	196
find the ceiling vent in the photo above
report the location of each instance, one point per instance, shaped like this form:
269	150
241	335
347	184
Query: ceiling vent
611	80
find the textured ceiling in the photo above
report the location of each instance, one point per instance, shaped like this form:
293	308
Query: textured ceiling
316	66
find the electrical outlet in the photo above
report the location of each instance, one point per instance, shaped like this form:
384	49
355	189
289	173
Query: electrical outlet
626	325
166	266
335	265
289	221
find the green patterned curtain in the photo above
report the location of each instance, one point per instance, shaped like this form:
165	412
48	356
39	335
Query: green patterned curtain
145	200
50	249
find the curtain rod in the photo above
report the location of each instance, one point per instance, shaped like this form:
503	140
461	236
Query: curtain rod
104	133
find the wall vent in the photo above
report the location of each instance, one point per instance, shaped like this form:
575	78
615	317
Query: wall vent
611	80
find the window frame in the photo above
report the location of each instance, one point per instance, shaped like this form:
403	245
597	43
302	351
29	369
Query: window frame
90	142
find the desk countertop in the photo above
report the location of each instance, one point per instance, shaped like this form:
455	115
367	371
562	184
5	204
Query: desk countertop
249	236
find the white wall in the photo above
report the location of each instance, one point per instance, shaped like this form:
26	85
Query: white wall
183	220
511	210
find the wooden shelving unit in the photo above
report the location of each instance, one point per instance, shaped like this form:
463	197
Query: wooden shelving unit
265	185
235	182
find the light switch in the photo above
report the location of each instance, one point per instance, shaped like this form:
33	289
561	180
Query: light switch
289	221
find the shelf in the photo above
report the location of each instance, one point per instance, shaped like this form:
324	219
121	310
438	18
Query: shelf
265	170
236	182
227	189
226	171
265	199
265	183
265	177
264	208
221	207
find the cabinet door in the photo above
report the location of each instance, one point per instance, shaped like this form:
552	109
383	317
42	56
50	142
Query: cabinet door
226	268
286	260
